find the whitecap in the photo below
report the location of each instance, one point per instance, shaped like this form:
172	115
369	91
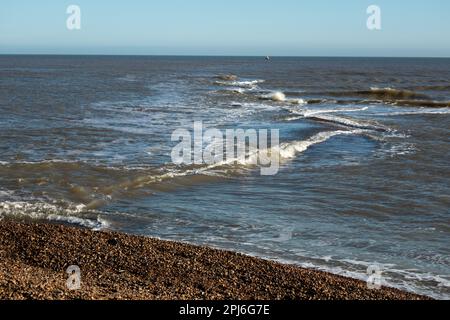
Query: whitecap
40	210
442	111
277	96
245	83
291	149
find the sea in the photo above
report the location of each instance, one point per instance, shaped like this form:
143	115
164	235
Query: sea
364	175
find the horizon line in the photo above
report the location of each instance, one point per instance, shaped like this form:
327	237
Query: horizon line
220	55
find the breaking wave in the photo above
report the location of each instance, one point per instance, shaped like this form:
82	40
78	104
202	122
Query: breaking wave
241	84
324	115
41	210
432	88
227	77
310	113
275	96
397	97
234	85
417	112
422	103
291	149
380	93
350	122
279	96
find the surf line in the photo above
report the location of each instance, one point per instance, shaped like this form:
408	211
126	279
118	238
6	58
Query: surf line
214	147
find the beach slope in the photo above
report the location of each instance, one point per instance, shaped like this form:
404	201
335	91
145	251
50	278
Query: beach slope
34	259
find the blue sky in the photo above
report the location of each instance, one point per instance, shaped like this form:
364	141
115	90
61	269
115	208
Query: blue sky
227	27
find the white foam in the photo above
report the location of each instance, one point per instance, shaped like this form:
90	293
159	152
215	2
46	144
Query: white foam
416	112
5	193
41	162
245	83
307	113
399	149
354	123
291	149
239	90
258	106
286	151
310	113
98	224
296	101
377	89
48	211
128	78
392	276
277	96
294	118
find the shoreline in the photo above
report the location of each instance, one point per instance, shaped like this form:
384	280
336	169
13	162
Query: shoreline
34	258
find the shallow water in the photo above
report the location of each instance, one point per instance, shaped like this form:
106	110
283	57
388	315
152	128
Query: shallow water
364	179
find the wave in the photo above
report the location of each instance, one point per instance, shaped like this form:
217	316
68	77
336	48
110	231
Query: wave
287	150
39	162
41	210
320	101
111	185
291	149
297	101
397	149
279	96
398	97
432	88
128	78
307	113
416	112
323	115
227	77
393	102
310	113
390	93
253	106
244	84
403	279
5	193
380	93
350	122
422	103
235	90
410	280
238	86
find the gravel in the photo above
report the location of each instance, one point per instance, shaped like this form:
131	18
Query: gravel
34	259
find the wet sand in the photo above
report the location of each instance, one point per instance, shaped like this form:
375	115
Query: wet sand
34	259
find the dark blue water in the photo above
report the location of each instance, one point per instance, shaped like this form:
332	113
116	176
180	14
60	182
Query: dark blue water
365	149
